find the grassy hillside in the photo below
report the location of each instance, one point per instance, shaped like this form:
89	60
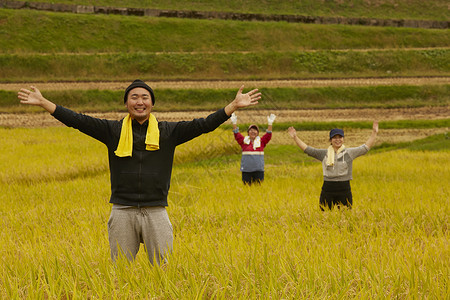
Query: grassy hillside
224	66
29	31
399	9
44	46
274	98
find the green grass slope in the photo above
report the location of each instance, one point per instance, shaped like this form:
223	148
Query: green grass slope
399	9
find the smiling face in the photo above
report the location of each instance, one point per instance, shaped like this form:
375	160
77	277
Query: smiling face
139	104
253	133
337	141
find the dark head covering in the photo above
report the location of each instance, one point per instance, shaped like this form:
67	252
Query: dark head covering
141	84
336	131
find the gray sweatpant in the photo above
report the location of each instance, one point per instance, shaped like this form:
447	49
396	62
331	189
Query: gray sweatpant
130	226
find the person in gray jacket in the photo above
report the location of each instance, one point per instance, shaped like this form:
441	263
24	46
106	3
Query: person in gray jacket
140	151
337	166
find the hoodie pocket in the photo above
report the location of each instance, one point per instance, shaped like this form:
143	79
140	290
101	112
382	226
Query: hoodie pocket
339	169
342	168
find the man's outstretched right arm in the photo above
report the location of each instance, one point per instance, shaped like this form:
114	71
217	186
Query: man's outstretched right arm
97	128
34	97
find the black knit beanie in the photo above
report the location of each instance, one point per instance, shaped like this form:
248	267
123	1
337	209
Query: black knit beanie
141	84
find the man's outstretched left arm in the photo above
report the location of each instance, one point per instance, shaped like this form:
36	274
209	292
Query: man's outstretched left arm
243	100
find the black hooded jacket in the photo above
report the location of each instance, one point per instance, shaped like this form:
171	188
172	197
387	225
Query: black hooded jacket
144	178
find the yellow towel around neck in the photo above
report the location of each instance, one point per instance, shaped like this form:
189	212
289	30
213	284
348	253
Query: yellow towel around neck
330	155
125	147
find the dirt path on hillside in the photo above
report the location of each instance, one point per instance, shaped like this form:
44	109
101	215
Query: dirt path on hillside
245	116
318	138
45	86
253	116
260	116
357	136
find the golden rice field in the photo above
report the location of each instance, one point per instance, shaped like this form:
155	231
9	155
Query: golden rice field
231	241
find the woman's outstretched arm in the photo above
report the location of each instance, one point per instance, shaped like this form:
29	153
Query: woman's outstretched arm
293	133
371	141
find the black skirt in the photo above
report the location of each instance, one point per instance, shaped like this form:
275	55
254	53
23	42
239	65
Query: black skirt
336	193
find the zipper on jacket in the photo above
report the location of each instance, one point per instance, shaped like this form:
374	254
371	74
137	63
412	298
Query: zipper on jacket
140	175
140	167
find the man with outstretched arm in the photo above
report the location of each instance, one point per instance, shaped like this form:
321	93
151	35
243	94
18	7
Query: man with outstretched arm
140	151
